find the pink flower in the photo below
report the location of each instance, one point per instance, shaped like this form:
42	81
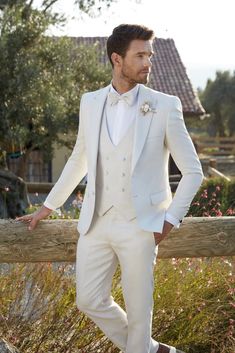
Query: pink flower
231	291
229	211
204	196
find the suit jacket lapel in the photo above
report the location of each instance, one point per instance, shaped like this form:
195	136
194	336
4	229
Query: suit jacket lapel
97	108
142	124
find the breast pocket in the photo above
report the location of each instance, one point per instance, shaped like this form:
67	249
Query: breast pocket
155	138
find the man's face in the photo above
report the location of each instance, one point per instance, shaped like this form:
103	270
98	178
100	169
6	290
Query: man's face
135	67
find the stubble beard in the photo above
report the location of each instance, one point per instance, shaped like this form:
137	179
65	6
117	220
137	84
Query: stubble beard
145	80
133	80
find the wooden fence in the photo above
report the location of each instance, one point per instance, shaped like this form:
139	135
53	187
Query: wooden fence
215	146
55	240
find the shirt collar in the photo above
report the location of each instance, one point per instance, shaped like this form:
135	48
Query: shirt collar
133	93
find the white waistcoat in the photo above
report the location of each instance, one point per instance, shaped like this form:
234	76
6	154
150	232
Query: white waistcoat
113	179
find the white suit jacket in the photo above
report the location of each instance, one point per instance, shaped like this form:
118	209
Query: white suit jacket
158	132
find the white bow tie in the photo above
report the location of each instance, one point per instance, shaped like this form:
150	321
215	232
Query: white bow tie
114	98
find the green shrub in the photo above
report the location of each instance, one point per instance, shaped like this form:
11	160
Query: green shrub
215	197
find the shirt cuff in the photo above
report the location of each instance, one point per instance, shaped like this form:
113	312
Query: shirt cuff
172	220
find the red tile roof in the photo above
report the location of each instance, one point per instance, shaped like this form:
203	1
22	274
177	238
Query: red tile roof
168	72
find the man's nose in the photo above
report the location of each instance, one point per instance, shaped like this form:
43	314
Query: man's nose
148	62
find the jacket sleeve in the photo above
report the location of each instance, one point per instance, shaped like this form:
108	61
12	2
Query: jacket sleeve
75	169
185	156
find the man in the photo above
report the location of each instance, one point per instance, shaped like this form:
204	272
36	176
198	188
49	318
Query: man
126	133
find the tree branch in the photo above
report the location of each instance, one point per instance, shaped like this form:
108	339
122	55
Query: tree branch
30	3
48	4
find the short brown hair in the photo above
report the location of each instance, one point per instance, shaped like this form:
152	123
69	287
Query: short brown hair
120	39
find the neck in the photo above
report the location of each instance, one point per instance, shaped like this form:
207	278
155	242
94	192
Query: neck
121	85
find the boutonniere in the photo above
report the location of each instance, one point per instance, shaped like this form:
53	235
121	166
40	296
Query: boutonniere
146	108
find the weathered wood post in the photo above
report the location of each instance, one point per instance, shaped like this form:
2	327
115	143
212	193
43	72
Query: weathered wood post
55	240
213	163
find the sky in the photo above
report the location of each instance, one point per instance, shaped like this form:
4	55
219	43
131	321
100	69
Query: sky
203	30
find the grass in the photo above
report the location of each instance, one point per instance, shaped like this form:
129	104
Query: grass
194	308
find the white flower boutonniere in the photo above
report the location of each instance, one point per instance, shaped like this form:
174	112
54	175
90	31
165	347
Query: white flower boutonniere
146	108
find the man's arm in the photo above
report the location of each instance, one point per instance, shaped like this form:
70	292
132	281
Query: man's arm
73	172
185	156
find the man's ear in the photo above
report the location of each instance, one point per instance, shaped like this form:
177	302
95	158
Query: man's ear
116	59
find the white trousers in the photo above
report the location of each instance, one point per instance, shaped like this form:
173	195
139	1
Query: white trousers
112	240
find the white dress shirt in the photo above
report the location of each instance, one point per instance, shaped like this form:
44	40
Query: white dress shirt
121	113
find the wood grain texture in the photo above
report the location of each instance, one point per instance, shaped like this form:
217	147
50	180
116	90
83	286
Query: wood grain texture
56	240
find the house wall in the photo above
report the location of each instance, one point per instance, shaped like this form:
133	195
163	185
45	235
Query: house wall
59	160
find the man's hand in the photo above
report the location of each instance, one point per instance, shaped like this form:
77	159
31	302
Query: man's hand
166	229
35	217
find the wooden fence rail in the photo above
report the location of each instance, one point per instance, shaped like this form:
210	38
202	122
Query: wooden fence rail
55	240
215	146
